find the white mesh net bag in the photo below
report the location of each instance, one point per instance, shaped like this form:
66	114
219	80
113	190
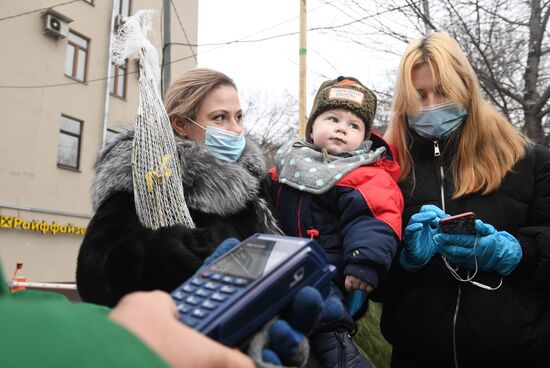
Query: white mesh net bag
158	190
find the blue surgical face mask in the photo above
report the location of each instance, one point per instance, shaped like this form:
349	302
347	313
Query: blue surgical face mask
437	121
223	144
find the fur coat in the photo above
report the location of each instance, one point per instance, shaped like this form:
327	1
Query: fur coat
119	255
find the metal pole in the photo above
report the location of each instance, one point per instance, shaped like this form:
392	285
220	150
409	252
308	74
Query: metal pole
167	54
41	285
303	58
114	12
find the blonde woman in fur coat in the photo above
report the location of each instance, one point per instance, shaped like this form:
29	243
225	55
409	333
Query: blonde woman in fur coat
221	175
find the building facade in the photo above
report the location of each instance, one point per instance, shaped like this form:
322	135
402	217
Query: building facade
60	98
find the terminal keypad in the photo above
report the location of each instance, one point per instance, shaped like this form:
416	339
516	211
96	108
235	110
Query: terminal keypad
205	293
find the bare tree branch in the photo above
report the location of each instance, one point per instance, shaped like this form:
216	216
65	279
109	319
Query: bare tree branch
543	24
502	91
420	14
506	41
542	100
501	17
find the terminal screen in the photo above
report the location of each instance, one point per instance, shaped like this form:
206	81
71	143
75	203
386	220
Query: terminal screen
253	258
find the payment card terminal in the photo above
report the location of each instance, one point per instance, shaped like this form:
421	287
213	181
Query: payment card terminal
243	289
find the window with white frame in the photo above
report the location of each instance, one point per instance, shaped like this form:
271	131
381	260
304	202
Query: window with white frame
68	148
76	56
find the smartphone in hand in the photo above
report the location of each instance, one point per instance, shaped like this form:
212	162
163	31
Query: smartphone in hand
463	223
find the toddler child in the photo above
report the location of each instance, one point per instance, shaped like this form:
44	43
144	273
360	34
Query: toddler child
339	187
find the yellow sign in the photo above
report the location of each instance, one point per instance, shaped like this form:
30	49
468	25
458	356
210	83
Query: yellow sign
13	222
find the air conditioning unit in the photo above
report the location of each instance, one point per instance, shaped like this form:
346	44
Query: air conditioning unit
55	24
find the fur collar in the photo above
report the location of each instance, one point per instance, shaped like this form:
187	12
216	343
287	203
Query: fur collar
211	185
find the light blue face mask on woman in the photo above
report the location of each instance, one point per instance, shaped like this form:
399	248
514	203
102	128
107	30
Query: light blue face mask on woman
223	144
437	121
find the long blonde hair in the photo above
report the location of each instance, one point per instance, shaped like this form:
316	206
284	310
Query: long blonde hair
185	95
489	145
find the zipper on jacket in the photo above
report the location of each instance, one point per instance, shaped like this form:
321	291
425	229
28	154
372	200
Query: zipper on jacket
442	187
437	153
298	215
342	351
278	196
455	355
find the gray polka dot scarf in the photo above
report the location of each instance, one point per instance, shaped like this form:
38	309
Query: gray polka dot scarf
305	167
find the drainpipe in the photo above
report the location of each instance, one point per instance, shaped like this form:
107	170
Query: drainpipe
114	13
166	47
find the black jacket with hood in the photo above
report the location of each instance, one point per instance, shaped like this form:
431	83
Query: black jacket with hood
119	255
434	320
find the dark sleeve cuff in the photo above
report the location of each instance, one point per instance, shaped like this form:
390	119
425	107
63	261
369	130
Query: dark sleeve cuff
530	256
363	272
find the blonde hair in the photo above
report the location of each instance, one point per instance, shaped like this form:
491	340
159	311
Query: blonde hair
489	145
185	95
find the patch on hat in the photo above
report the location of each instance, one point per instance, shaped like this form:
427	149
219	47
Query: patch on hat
347	94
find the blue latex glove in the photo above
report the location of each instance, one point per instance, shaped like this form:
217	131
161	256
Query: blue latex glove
418	243
494	251
283	341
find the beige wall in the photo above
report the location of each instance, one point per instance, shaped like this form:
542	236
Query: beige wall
29	176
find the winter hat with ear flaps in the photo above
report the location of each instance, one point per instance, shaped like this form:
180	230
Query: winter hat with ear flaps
343	93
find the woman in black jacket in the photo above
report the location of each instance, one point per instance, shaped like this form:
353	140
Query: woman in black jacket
221	176
466	300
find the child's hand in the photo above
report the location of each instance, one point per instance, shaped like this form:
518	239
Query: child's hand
353	283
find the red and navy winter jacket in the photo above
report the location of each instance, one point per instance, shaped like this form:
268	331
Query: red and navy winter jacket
357	222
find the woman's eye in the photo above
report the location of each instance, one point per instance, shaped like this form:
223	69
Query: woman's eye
219	118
